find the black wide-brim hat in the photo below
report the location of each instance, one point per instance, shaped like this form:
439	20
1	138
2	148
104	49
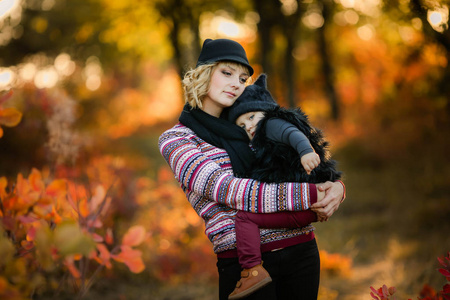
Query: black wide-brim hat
223	50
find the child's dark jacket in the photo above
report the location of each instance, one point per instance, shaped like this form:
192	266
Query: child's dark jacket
278	162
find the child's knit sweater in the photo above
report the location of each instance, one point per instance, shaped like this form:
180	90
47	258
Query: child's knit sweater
205	174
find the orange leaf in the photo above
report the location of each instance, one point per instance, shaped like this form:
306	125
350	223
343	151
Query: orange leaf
56	188
134	236
43	211
10	116
22	186
3	185
83	208
131	258
56	217
97	199
1	132
27	245
35	180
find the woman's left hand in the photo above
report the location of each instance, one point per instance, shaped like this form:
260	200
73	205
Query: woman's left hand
334	193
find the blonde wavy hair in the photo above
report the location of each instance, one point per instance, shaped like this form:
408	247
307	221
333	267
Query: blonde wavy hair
196	82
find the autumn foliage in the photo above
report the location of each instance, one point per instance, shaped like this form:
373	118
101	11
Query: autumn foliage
8	116
427	292
53	229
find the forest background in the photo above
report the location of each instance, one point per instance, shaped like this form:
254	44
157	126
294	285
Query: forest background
89	207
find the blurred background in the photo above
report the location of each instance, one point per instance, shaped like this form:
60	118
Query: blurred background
87	87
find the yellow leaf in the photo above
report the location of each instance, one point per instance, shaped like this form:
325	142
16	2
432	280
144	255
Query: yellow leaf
134	236
6	249
10	116
70	239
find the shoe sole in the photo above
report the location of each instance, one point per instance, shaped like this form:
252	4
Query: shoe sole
251	290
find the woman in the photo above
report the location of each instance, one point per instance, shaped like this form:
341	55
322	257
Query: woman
208	155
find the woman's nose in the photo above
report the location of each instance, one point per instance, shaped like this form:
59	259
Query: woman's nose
236	83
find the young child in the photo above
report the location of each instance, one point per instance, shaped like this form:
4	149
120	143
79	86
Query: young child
287	149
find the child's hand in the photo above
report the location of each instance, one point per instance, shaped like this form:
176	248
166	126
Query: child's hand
310	161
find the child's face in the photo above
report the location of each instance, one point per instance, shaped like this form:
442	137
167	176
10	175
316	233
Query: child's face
248	122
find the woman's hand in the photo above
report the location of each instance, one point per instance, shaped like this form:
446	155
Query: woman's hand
326	206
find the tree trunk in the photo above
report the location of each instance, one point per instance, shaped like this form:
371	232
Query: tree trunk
327	67
264	29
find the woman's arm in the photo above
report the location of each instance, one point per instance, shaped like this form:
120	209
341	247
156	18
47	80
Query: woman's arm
201	175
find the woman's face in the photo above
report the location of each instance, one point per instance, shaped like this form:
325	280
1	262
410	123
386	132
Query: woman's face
226	85
249	121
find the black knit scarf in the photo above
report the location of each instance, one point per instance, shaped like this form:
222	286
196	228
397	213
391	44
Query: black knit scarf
223	134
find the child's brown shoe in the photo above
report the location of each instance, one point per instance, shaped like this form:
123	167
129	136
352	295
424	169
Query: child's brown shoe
251	280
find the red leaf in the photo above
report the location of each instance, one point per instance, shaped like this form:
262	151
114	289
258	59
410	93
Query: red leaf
105	256
97	238
385	291
445	272
72	269
5	96
109	239
31	234
27	219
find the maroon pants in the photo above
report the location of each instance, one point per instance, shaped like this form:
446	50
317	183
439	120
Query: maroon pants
248	240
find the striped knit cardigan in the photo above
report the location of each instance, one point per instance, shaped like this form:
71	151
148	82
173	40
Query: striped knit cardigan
205	174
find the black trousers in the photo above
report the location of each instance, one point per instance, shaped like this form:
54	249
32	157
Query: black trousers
295	273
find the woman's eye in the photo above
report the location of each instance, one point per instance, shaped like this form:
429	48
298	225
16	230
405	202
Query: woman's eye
243	80
226	73
251	117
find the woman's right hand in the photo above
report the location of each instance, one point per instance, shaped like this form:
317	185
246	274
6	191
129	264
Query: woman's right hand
320	216
334	194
